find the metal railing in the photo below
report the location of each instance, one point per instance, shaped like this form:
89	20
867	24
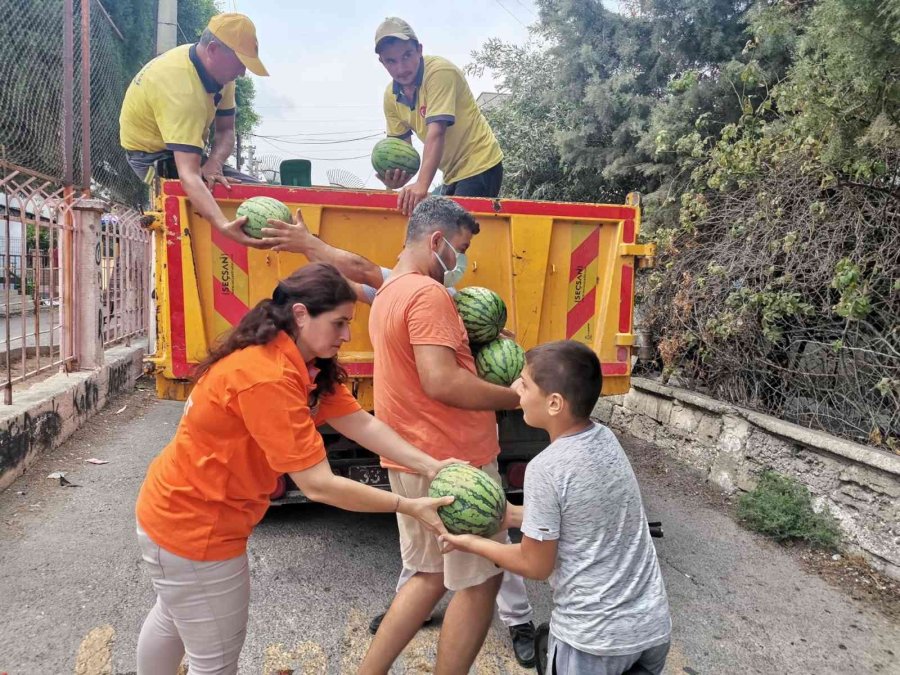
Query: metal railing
36	235
39	300
124	253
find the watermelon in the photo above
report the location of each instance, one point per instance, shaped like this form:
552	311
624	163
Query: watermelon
479	503
393	153
260	209
483	313
500	362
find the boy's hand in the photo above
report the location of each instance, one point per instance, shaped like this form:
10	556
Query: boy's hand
456	542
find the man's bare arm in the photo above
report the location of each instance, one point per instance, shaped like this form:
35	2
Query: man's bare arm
296	238
189	172
223	146
444	380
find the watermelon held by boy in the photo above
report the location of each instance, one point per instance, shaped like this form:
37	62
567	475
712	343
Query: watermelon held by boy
500	362
483	313
394	153
260	209
479	503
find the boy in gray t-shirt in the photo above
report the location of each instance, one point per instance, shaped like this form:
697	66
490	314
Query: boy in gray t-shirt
583	521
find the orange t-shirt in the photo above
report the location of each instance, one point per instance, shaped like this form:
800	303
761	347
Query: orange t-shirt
246	422
413	309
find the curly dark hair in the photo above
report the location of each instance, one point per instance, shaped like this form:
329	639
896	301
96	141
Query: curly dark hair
318	286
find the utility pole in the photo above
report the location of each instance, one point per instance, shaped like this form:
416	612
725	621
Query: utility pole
166	25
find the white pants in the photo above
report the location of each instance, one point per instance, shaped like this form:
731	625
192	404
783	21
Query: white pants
201	608
512	599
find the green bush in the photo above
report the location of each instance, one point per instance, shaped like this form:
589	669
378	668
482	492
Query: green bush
781	508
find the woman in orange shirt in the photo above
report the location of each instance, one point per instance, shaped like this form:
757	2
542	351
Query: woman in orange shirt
251	417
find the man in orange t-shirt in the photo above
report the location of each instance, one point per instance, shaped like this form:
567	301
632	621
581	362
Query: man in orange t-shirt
251	417
427	389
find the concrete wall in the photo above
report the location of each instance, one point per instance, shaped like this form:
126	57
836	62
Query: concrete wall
48	412
860	485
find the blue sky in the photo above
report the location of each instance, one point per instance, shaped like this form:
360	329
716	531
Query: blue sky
326	83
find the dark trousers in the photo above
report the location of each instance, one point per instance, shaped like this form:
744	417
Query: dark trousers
484	184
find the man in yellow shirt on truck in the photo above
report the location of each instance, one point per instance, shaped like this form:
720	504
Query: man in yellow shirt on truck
171	103
429	96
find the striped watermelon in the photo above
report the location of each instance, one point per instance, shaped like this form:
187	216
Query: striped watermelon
393	153
260	209
483	313
500	362
479	502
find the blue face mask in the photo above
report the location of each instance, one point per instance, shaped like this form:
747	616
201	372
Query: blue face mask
455	275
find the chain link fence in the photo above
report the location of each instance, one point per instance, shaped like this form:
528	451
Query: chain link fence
59	142
111	177
31	85
41	93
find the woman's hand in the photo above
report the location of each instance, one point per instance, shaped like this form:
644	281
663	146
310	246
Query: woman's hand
457	542
425	510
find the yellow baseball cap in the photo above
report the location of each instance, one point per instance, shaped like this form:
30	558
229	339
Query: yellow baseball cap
238	33
394	27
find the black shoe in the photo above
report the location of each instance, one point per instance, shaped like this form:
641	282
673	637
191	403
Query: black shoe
376	622
523	643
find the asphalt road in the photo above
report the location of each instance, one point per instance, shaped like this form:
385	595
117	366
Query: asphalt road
73	593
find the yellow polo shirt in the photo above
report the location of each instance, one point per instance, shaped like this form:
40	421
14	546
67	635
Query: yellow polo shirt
171	103
443	94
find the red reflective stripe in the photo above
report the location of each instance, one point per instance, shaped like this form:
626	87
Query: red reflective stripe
628	234
581	313
180	366
227	304
625	299
232	249
614	368
387	200
359	369
585	254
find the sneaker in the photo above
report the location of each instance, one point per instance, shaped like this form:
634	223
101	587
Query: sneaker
376	622
523	643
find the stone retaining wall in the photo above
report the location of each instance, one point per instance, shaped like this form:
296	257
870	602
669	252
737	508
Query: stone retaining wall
860	485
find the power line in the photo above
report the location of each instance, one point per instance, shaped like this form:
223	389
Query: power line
341	105
319	142
526	7
306	156
305	134
511	14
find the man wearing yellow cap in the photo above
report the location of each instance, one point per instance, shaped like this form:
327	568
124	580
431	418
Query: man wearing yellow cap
173	100
429	96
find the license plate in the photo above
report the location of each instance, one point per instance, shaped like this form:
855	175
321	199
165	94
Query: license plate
368	475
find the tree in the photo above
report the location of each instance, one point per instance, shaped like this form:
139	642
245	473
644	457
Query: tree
766	138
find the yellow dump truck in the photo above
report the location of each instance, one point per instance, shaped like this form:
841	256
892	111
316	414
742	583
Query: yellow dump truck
564	270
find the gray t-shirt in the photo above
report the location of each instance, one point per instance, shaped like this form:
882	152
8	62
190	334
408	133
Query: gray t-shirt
608	592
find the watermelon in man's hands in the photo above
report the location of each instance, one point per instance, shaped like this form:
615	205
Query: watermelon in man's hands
394	153
483	313
500	362
479	503
260	209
